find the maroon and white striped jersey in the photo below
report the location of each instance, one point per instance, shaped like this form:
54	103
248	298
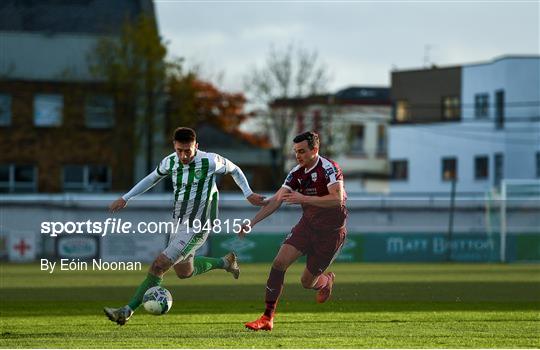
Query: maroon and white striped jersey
315	182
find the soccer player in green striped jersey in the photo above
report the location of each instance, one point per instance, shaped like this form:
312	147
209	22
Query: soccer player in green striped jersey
195	198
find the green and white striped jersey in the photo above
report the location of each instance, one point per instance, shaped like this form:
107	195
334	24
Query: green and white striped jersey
195	191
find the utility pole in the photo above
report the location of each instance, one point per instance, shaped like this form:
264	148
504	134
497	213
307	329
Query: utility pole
451	218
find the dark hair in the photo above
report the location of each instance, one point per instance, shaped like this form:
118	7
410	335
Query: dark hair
184	135
311	137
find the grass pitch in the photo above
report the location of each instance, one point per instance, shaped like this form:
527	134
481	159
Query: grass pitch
373	306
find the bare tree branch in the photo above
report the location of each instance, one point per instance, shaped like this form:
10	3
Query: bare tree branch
290	72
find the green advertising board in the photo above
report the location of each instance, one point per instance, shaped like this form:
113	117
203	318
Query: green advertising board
393	247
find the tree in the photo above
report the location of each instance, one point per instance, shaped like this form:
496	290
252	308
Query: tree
192	100
181	97
133	66
291	72
223	109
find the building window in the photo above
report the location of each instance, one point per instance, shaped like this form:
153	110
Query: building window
381	140
399	169
99	177
402	111
5	177
48	110
449	169
498	171
481	105
538	164
499	109
5	110
357	138
74	177
18	178
481	167
87	178
450	108
99	111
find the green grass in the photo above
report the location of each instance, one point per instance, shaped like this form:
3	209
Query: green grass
373	306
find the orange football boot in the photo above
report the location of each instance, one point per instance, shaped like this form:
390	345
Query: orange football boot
324	293
264	323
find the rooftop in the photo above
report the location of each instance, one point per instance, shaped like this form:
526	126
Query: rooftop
70	16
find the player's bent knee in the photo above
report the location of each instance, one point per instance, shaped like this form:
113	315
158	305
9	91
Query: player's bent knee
279	265
157	269
160	265
183	275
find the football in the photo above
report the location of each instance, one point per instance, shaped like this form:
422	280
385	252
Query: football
157	300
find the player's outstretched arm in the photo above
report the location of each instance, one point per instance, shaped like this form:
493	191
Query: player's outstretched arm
240	180
142	186
256	199
270	207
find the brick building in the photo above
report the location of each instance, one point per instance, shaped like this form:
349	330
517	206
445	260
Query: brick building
61	129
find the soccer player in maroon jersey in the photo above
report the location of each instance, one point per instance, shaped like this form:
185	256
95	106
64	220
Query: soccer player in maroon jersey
316	183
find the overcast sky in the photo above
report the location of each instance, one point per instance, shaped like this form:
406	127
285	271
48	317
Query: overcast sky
360	42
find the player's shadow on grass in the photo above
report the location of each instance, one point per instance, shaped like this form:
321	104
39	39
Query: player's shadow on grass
248	298
356	321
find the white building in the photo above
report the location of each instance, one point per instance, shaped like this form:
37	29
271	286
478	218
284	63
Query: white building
353	127
495	136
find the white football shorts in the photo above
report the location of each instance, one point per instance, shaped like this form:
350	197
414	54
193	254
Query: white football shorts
184	244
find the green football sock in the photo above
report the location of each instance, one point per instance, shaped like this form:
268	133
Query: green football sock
149	282
202	264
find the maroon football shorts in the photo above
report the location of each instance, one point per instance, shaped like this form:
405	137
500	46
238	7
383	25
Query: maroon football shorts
320	246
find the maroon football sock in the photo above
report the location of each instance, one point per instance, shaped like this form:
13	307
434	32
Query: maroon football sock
322	281
274	286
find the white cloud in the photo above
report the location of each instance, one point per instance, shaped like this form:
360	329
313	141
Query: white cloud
358	41
271	32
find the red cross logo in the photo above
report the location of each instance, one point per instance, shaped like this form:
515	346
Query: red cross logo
22	247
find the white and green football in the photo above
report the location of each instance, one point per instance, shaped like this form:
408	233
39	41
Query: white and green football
157	300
